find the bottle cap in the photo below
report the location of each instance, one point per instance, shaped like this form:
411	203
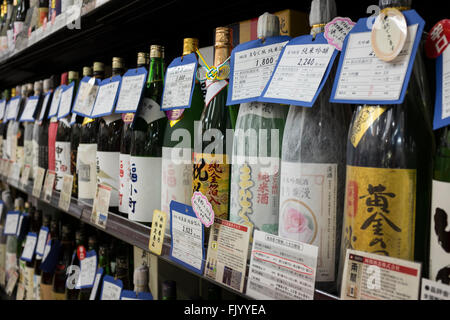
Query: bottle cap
87	72
142	59
73	75
24	90
222	45
322	12
18	203
117	63
13	92
190	45
99	67
268	26
155	51
30	87
398	4
47	84
37	87
18	90
64	78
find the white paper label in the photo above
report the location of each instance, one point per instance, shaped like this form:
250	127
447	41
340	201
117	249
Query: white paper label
19	225
446	83
365	77
62	162
29	110
48	185
108	173
145	188
213	89
38	180
11	223
130	93
2	108
87	275
308	210
111	291
87	93
87	171
55	102
432	290
300	72
98	276
252	70
105	99
281	269
30	245
13	108
178	86
42	240
124	182
66	102
66	192
369	276
187	239
100	208
203	209
151	111
25	176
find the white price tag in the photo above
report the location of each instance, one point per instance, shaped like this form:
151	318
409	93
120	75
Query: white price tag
30	246
88	268
44	106
13	108
130	92
38	180
12	219
87	92
66	102
111	288
30	109
42	240
432	290
19	225
106	97
48	185
100	208
55	102
178	86
94	290
66	192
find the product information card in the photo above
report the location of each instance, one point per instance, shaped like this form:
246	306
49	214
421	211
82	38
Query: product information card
38	180
369	276
66	193
432	290
100	208
48	185
227	253
281	269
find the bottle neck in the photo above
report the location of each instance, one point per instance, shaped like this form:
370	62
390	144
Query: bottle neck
117	72
155	79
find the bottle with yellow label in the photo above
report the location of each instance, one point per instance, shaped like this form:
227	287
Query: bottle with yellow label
388	183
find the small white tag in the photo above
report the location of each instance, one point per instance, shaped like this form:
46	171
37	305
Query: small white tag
42	240
66	102
88	268
432	290
19	225
48	185
337	30
111	291
178	86
130	93
30	246
87	93
55	102
38	180
94	290
66	193
105	99
29	110
202	208
100	208
12	219
44	107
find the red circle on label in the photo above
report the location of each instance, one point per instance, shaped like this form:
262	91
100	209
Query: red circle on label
438	39
81	252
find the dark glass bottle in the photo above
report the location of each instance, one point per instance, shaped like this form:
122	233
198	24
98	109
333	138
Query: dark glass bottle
43	12
44	126
35	131
85	293
47	277
22	10
146	145
64	261
169	290
124	265
37	263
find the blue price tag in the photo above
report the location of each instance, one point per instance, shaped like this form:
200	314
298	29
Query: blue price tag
88	265
47	99
357	83
30	246
111	289
42	240
251	65
187	237
131	295
301	72
179	83
29	112
442	106
131	90
65	104
13	109
54	106
85	99
106	97
11	223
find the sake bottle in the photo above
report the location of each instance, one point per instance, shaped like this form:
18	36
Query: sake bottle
256	155
44	126
63	143
176	182
389	171
38	87
28	132
312	181
211	169
37	263
19	130
108	153
146	146
125	145
87	150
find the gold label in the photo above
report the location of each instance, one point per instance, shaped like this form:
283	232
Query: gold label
380	210
211	177
364	120
87	120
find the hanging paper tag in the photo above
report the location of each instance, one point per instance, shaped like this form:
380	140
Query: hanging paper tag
337	30
66	101
432	290
42	239
55	102
66	193
85	99
252	64
94	290
100	208
111	289
187	235
13	108
2	108
442	106
301	72
88	268
202	208
131	295
158	231
38	181
12	220
362	78
29	110
131	90
25	176
438	39
5	115
179	83
30	246
48	185
389	34
44	106
14	276
106	97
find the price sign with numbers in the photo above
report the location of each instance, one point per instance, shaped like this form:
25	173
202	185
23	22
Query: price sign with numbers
55	102
100	208
187	235
30	109
158	231
131	90
106	97
66	100
38	181
13	108
66	192
48	185
85	99
111	288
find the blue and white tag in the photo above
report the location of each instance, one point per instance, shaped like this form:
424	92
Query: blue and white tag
442	107
94	290
179	83
55	102
131	90
111	289
42	240
251	65
2	108
85	99
88	267
12	220
44	105
131	295
30	246
13	108
106	97
187	237
5	115
30	109
362	78
65	104
301	72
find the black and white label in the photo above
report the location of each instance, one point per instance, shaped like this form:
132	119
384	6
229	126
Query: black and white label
62	162
108	173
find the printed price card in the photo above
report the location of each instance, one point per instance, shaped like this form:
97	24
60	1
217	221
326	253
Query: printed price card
14	276
87	92
157	233
30	109
281	269
179	83
88	271
55	102
100	208
25	176
363	78
432	290
94	290
48	185
442	106
187	235
369	276
301	72
131	90
65	104
252	64
14	174
106	97
66	192
12	220
13	108
42	240
226	260
38	180
30	246
111	289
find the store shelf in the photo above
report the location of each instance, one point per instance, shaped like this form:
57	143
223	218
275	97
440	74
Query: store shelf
132	233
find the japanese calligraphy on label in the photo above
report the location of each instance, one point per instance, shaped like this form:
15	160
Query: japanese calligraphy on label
337	30
158	231
281	269
432	290
202	208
